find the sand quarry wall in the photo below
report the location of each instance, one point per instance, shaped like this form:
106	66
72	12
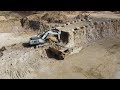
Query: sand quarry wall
96	30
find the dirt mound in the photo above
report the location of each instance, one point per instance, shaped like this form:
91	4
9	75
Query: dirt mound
82	16
54	17
116	12
72	12
78	12
36	25
27	13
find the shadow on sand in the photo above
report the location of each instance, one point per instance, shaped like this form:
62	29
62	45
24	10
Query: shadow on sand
27	45
50	54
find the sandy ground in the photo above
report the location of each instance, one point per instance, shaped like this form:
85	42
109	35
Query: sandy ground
100	60
9	39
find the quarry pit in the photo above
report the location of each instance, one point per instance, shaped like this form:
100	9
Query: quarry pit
93	36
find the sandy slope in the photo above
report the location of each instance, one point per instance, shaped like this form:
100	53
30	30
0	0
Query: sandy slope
99	60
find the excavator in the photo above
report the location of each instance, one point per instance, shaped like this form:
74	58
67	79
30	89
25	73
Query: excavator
41	39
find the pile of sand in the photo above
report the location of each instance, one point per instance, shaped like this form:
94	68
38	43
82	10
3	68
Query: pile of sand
35	25
54	17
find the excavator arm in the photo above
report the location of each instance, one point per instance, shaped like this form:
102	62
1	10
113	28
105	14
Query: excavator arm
52	33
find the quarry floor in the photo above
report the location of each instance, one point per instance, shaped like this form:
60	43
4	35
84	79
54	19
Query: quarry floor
100	60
